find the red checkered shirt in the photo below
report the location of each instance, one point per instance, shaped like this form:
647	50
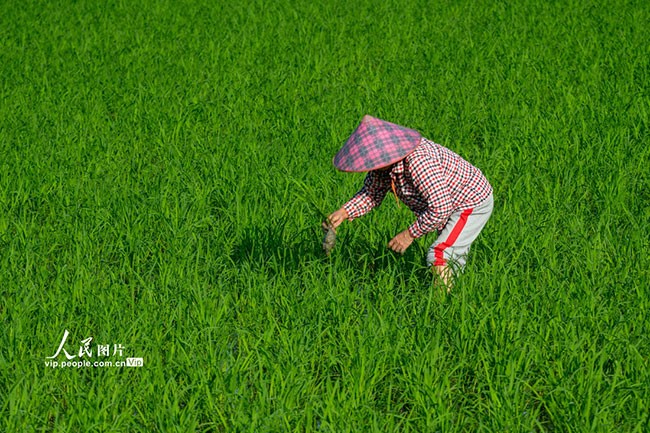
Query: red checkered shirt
432	181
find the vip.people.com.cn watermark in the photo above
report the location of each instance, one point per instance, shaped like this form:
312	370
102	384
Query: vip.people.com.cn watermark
98	356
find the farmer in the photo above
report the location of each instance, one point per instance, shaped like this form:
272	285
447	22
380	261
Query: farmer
447	194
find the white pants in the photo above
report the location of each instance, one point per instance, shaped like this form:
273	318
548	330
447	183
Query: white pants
457	236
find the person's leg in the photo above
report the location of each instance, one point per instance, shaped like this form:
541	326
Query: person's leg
441	251
448	254
444	275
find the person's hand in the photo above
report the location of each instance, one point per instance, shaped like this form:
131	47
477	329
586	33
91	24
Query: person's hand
401	242
336	219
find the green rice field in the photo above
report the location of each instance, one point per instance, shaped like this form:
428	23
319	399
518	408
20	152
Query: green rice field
165	167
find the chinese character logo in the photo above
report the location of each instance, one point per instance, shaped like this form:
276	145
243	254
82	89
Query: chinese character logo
83	357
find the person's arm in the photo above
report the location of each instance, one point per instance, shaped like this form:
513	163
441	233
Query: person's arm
372	193
375	187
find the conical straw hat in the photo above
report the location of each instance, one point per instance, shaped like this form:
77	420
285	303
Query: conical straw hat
376	144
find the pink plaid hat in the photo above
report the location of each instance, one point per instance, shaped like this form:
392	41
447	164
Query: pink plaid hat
376	144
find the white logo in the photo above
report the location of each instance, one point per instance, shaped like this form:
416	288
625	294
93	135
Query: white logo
101	355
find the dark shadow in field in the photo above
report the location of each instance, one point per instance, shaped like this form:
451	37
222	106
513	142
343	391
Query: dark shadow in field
279	250
272	244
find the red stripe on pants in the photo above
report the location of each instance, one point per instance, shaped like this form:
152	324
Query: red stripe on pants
455	232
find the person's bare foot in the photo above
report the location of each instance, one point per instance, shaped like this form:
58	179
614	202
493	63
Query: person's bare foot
445	277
